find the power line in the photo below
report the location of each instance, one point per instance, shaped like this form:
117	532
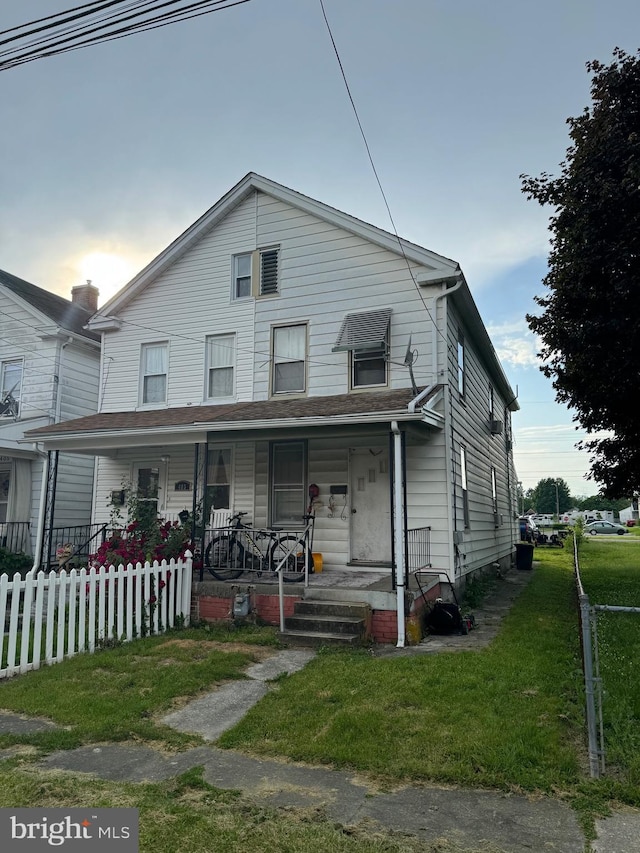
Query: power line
377	177
48	47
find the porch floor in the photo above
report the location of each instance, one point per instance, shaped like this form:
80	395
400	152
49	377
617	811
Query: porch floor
332	580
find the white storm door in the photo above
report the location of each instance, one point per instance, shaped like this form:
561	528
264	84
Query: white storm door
370	506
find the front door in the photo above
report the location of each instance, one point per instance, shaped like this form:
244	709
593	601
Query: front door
370	506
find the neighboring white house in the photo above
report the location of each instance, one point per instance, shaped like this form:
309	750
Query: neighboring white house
279	343
48	373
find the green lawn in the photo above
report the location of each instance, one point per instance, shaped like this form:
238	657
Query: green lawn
611	575
508	717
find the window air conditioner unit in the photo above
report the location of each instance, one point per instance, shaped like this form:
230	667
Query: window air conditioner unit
496	427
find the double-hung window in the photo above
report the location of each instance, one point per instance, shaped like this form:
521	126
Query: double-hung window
153	373
256	273
220	366
10	387
288	481
289	356
365	336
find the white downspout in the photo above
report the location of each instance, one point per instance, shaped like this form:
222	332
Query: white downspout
43	498
398	529
434	329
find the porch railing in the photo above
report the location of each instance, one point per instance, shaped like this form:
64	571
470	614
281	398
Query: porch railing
73	545
14	536
418	549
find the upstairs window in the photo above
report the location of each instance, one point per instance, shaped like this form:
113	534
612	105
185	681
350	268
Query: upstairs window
289	359
462	380
369	367
242	276
220	366
10	387
154	360
256	273
366	337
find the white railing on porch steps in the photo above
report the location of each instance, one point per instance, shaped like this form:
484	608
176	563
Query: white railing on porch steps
51	616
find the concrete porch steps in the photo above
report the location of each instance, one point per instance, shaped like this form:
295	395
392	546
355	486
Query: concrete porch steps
321	622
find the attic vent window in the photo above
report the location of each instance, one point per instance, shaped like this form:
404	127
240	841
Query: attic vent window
366	331
268	272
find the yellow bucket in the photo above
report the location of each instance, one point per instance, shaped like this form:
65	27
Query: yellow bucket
317	563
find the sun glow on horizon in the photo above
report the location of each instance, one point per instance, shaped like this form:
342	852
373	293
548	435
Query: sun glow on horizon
108	271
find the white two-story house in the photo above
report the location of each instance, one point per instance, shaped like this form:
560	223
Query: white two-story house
279	344
49	365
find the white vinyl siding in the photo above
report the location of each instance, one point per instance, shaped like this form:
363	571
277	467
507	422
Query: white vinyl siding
153	373
221	356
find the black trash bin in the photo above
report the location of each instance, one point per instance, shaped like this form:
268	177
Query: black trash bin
524	555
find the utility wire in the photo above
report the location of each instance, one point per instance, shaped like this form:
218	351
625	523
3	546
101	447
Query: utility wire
375	172
89	34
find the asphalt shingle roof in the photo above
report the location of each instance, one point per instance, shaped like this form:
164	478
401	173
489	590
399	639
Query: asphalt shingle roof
395	401
62	312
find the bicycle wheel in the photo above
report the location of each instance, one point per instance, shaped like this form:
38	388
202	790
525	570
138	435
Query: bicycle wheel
224	558
294	553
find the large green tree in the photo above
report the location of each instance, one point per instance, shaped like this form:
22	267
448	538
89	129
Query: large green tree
551	494
590	323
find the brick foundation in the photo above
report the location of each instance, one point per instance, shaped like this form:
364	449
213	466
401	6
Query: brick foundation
216	607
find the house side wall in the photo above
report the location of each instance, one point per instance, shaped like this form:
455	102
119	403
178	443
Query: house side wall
19	339
486	539
78	390
57	381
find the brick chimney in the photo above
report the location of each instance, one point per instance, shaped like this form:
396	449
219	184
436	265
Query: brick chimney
86	296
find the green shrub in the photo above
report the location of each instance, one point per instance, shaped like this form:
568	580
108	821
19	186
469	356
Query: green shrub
11	563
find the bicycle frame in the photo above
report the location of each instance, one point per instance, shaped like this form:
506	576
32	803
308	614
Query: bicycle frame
241	548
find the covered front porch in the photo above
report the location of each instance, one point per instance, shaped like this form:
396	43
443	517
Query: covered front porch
369	468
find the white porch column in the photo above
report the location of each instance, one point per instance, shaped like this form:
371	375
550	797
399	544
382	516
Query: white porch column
398	528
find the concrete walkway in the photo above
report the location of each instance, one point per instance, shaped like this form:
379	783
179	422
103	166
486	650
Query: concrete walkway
473	819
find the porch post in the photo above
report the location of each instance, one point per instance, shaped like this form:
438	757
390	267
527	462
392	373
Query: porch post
50	476
398	528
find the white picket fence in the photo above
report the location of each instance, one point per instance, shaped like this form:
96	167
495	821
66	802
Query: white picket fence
52	616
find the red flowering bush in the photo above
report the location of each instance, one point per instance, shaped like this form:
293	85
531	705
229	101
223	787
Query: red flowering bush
143	537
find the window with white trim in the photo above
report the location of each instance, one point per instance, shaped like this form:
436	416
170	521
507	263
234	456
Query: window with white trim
463	478
494	491
256	273
220	365
462	380
365	336
289	359
10	387
153	373
219	478
242	276
288	482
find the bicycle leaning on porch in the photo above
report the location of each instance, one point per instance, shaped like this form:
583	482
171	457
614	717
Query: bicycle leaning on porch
241	548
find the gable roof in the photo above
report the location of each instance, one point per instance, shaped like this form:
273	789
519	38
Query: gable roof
64	313
252	182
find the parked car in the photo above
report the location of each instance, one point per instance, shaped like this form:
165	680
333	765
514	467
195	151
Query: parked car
604	527
528	528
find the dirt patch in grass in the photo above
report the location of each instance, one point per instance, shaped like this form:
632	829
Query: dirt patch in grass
259	652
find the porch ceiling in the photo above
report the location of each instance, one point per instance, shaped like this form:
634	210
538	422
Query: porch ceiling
191	424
